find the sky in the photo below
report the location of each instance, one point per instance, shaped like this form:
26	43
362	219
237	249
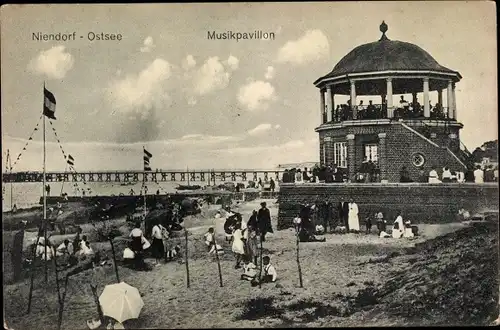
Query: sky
200	103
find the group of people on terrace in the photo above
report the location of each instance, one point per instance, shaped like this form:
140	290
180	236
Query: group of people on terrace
446	175
319	173
369	172
405	110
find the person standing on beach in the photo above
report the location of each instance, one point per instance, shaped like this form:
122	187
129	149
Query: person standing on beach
157	247
264	221
343	208
251	244
353	218
252	222
238	245
272	185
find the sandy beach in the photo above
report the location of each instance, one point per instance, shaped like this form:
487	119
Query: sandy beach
332	272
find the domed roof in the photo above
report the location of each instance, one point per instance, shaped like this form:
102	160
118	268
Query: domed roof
386	55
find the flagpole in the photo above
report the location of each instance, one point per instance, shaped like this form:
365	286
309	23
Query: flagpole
10	171
144	187
65	170
44	192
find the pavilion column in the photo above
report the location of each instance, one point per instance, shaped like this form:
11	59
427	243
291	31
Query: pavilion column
440	97
382	156
333	105
353	99
449	100
389	98
414	98
329	103
328	151
454	98
351	156
427	110
322	105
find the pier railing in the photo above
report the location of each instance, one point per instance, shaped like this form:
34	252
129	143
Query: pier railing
207	176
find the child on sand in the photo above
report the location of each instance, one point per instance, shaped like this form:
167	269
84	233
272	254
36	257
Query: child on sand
249	270
368	224
269	275
209	238
220	250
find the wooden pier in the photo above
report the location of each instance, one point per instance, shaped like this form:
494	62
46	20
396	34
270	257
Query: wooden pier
140	176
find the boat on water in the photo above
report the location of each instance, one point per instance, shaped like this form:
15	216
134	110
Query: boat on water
127	184
188	187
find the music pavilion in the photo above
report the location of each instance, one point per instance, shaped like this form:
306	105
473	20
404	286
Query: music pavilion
390	130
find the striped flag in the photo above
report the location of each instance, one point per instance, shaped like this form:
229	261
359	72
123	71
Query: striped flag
49	104
71	160
147	157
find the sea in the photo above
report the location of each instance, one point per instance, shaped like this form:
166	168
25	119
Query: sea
27	194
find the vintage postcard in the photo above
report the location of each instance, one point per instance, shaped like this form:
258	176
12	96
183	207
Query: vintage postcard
242	165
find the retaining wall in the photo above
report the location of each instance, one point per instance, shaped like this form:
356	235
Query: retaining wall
420	203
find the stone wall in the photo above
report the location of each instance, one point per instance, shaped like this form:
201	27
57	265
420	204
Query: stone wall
420	203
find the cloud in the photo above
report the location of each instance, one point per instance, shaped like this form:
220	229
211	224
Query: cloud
269	73
143	90
53	63
210	76
277	126
259	129
312	46
192	101
198	150
256	95
188	63
233	62
148	45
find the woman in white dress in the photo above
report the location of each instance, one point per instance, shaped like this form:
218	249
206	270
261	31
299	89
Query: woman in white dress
353	218
398	227
238	246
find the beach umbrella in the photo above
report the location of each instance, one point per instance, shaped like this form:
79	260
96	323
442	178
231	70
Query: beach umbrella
121	302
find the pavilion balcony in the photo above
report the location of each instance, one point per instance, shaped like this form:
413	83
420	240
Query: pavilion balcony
377	112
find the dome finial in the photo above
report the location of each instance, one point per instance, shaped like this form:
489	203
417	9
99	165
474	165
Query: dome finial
383	29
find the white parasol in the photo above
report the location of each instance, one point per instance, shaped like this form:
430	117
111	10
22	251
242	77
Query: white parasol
121	302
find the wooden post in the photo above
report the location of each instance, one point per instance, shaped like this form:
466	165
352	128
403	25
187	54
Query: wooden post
96	299
218	262
61	304
57	277
298	260
186	258
45	243
33	267
114	260
260	271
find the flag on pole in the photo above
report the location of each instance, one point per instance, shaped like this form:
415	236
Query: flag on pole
147	157
71	160
49	104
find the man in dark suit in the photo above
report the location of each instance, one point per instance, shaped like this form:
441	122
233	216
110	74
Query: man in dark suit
264	221
343	211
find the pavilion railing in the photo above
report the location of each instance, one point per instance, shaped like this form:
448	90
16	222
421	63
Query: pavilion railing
379	111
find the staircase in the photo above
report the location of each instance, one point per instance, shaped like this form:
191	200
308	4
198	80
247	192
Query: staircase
465	156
